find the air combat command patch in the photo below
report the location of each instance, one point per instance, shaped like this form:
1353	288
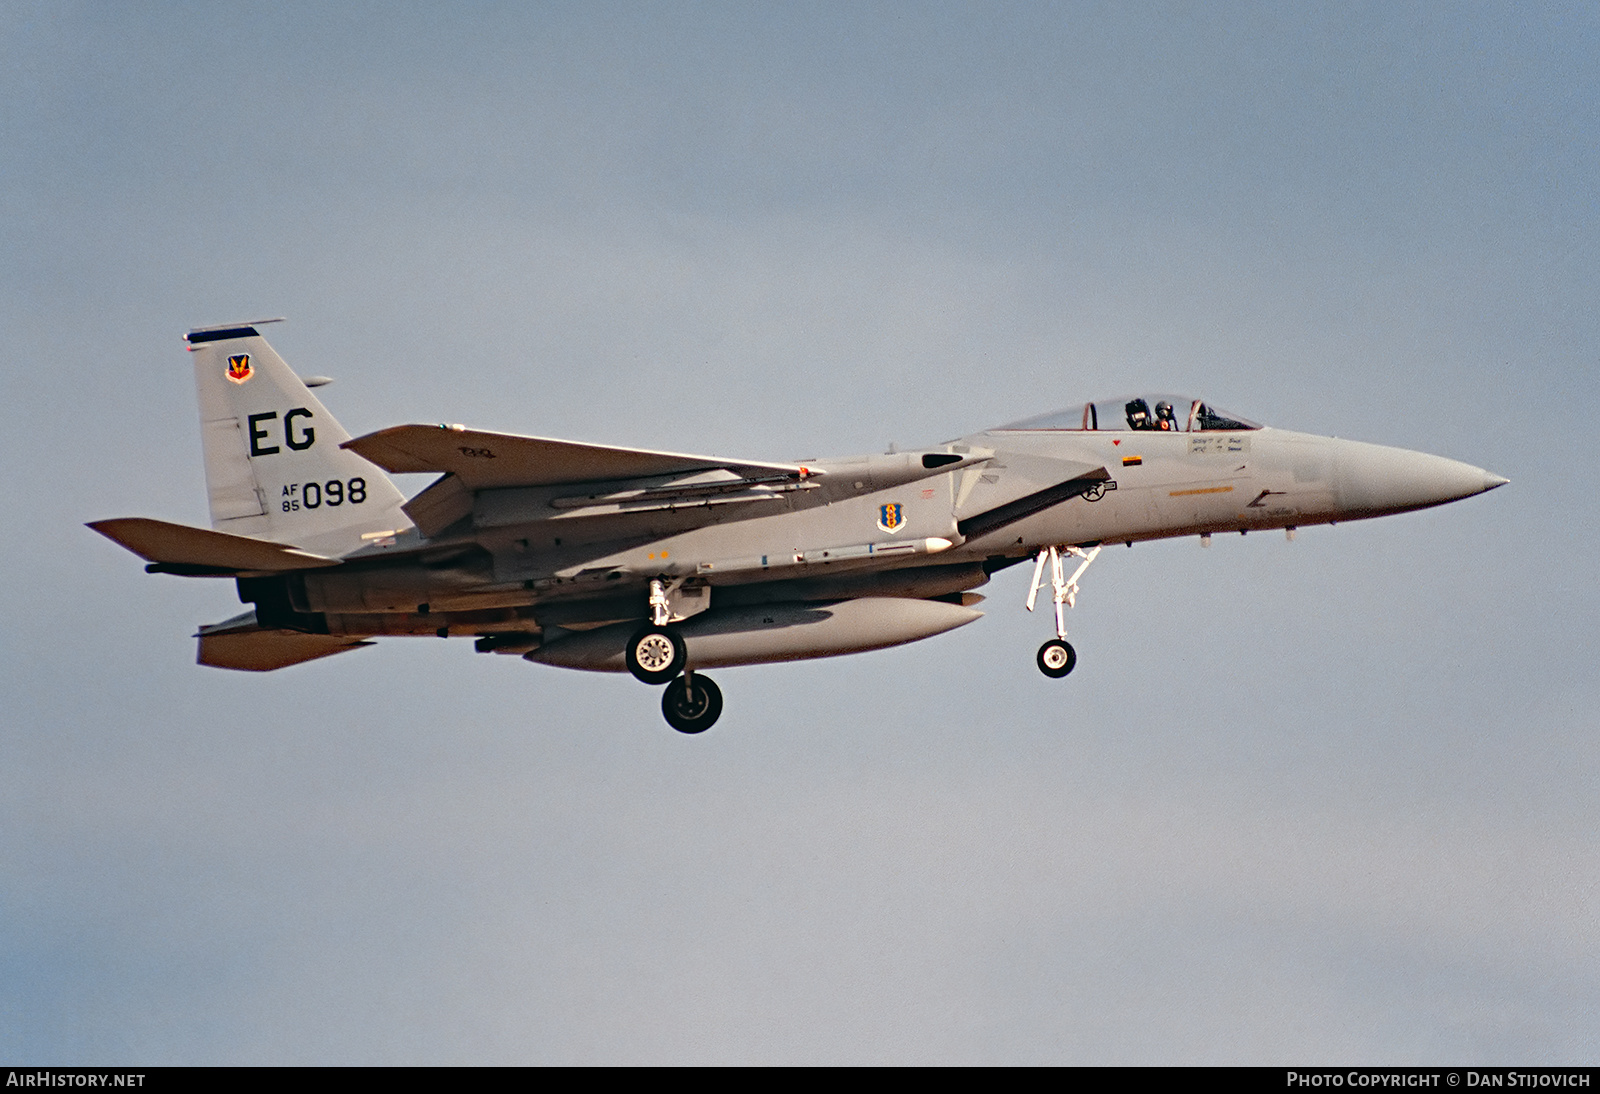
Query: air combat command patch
239	369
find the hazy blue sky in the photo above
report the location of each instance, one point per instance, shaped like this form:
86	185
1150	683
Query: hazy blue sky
1324	801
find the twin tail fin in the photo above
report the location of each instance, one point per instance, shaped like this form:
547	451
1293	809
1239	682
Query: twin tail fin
274	468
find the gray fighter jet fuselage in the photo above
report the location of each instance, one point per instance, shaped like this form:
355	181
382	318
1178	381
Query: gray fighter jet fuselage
665	564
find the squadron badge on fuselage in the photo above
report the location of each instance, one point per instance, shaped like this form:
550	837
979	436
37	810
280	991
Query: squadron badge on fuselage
239	369
891	517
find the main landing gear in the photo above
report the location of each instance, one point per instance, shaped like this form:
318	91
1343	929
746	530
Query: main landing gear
656	654
1057	657
691	703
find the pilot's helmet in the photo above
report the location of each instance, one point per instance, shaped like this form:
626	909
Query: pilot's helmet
1164	415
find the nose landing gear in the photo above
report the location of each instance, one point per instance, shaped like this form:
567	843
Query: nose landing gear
1057	657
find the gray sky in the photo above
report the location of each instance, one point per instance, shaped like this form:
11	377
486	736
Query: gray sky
1326	801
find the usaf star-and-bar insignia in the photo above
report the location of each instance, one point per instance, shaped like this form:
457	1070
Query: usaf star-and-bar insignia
239	369
891	516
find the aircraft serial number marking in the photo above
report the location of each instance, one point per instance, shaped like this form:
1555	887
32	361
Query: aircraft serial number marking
478	453
314	495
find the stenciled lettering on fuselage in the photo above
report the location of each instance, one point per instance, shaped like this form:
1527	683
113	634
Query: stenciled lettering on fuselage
1218	445
262	433
314	495
239	369
891	517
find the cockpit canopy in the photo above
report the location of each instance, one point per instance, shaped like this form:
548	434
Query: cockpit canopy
1158	413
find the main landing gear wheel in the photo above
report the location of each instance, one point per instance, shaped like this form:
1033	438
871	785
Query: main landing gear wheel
691	703
655	654
1056	658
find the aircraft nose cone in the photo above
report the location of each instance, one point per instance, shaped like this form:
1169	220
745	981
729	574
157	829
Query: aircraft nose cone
1372	479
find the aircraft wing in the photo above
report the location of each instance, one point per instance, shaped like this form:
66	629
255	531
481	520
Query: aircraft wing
180	549
484	461
241	643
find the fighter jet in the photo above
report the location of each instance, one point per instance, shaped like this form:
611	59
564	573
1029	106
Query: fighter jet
663	564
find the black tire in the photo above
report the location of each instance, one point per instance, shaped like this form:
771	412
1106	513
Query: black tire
655	655
692	713
1057	658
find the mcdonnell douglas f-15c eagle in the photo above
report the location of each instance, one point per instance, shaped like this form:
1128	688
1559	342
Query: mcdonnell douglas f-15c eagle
663	564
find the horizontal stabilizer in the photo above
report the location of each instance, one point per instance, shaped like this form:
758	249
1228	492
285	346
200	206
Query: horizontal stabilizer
241	644
485	461
178	548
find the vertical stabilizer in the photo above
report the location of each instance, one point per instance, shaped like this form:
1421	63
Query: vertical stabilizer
274	468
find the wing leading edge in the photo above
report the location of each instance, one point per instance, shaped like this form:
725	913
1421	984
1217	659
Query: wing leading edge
486	461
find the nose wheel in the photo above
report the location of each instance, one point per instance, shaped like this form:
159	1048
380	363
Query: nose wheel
1057	658
691	703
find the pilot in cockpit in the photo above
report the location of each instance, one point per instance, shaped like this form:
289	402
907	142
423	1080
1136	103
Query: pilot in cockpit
1165	420
1138	412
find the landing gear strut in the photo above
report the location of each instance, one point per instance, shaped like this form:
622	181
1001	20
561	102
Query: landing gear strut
1057	657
